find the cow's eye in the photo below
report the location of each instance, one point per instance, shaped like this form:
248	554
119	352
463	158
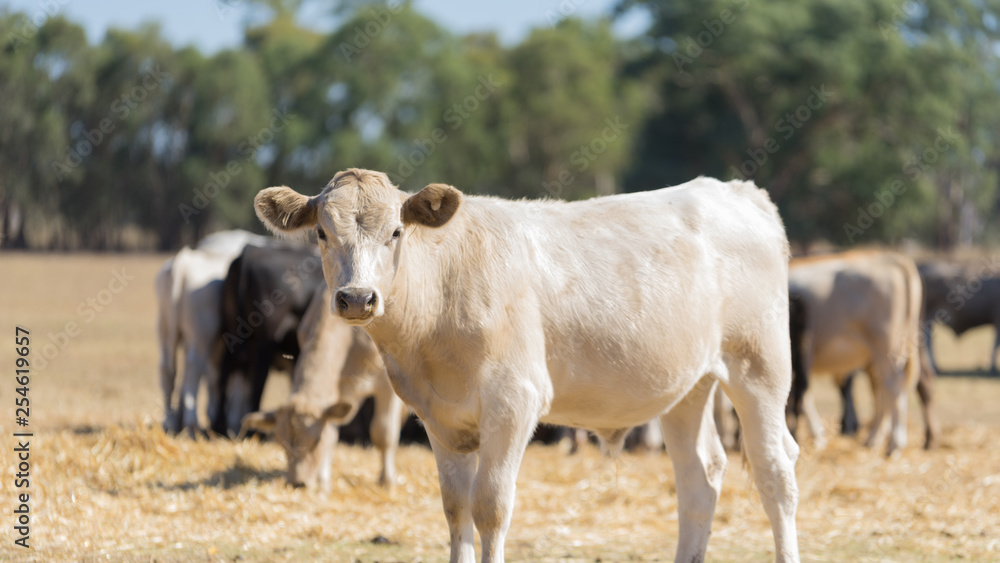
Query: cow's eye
397	233
320	233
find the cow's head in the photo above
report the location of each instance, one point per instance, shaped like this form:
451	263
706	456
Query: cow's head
362	222
307	434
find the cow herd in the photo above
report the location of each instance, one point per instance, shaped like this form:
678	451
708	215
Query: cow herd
486	317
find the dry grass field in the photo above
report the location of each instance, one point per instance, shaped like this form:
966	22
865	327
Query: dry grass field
108	485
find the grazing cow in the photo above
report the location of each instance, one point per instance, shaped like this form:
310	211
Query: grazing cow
863	312
264	298
189	291
962	298
493	315
337	368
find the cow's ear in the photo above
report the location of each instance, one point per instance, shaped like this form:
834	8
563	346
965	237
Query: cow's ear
432	206
259	421
283	210
337	411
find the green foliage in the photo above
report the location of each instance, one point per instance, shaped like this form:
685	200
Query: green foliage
868	120
901	75
571	114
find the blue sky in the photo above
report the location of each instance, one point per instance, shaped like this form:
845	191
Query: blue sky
214	25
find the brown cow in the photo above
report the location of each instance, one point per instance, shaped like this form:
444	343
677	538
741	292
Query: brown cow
863	312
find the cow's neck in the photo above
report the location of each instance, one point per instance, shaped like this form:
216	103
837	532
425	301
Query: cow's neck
421	365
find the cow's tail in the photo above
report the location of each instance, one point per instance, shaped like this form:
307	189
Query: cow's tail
176	293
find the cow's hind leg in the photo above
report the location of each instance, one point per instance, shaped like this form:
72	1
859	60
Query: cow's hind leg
168	374
898	401
455	473
996	346
171	420
758	391
213	379
925	389
196	365
699	460
889	388
849	418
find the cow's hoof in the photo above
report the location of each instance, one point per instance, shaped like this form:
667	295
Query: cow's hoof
930	442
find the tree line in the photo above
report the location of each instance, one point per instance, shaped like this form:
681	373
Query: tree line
867	120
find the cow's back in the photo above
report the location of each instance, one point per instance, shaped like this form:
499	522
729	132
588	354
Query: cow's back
962	298
862	305
231	243
642	283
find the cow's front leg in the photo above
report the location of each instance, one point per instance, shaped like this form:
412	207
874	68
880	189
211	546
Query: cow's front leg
699	464
455	474
813	420
168	369
993	355
504	432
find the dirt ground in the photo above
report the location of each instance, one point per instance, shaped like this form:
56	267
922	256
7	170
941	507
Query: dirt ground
108	485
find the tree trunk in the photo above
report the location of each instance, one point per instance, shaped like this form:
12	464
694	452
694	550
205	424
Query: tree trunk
5	218
12	235
605	184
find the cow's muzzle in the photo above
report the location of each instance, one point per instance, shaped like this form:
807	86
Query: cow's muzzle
356	304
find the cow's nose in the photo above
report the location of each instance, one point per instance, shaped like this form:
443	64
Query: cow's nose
356	303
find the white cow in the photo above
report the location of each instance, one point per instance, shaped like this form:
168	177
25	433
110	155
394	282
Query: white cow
188	290
493	315
336	370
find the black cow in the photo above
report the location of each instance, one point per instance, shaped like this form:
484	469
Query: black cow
961	298
797	324
264	296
